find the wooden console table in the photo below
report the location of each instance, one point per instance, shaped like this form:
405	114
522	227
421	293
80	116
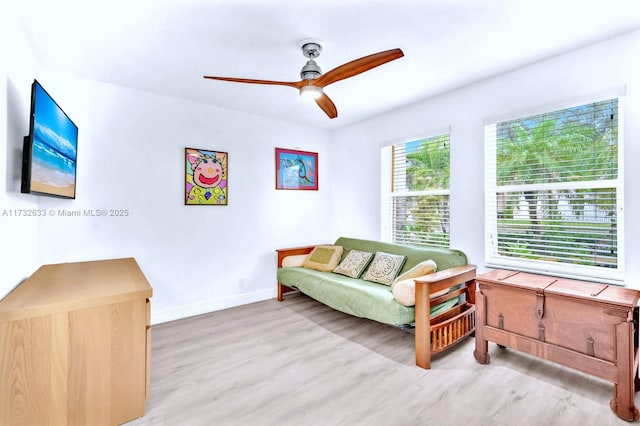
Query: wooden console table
587	326
75	345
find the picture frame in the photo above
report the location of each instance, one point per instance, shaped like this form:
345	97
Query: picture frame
296	170
206	177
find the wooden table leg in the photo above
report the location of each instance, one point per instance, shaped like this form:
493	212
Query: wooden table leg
481	354
282	289
281	292
622	403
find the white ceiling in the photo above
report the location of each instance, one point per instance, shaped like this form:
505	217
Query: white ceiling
166	46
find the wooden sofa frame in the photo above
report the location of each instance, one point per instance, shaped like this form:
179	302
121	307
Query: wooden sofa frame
435	334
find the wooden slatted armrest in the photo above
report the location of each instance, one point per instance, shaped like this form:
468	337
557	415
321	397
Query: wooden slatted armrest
460	326
446	278
450	295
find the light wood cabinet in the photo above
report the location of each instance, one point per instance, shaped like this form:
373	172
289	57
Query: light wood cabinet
75	345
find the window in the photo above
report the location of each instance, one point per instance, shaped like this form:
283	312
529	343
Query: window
415	192
554	192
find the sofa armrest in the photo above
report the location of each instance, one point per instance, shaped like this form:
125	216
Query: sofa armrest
438	281
432	283
290	251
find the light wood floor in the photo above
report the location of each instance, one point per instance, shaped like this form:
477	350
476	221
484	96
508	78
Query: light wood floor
300	363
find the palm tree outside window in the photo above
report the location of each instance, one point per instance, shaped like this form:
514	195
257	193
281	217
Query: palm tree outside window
554	192
415	192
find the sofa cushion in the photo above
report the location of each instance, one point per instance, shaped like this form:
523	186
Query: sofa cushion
356	297
404	292
294	260
404	287
384	268
323	258
354	263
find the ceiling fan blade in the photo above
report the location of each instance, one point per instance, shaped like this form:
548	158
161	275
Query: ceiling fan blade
327	106
295	84
358	66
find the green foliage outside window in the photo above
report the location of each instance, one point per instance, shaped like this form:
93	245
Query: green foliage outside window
552	204
420	216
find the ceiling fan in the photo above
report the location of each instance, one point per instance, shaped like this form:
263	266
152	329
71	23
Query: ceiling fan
313	81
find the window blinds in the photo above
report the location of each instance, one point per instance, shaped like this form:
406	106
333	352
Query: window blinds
415	192
554	192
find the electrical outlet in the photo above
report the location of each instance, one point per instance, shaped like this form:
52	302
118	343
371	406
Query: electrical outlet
241	283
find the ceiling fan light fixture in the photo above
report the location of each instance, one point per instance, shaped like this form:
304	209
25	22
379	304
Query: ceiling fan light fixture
310	91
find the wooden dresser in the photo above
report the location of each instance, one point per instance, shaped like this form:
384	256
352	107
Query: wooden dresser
75	345
588	326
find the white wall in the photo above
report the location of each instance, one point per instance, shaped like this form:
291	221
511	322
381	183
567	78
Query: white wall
131	157
18	234
579	75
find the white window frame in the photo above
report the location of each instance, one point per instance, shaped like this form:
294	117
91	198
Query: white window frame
390	191
584	272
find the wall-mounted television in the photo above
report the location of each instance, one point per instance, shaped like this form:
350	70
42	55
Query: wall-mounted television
50	150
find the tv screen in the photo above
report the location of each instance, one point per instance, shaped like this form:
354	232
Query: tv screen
50	149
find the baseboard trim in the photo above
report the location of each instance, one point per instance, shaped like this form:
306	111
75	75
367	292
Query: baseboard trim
209	306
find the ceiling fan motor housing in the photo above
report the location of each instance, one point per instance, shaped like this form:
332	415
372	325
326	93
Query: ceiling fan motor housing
310	70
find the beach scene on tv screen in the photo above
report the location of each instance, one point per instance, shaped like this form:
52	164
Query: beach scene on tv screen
54	151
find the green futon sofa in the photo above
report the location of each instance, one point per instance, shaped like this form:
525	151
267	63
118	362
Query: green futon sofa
439	321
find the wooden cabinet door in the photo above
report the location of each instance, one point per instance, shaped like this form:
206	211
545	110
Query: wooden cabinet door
107	364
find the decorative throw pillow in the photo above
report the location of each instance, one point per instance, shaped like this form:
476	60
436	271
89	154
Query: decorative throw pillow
404	292
384	268
323	258
404	288
423	268
354	263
